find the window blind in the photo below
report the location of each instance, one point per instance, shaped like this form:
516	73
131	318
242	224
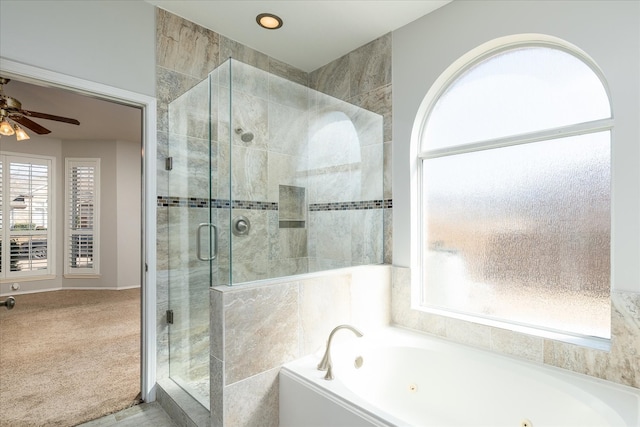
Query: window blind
82	223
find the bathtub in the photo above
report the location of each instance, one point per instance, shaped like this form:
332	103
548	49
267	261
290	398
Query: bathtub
411	379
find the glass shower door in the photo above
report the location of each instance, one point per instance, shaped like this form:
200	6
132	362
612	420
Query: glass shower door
193	233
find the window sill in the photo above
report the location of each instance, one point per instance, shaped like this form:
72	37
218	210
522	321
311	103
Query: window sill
82	276
595	343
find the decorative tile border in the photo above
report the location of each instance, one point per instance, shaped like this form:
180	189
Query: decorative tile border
195	202
346	206
261	206
183	202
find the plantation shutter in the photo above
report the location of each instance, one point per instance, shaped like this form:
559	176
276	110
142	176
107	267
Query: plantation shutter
82	217
25	201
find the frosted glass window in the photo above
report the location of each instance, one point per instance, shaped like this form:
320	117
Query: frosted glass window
515	202
522	233
518	91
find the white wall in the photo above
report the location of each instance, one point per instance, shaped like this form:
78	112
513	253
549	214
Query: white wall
128	213
109	42
609	31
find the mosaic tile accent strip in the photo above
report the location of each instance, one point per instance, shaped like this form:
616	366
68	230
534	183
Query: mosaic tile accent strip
262	206
195	202
183	202
346	206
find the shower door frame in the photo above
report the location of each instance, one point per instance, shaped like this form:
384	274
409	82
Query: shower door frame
183	331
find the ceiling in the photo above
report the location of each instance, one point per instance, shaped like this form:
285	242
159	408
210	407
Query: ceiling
314	33
99	119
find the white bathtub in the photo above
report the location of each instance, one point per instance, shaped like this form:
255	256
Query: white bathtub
410	379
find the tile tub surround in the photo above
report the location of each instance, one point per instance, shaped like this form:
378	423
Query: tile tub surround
257	327
620	365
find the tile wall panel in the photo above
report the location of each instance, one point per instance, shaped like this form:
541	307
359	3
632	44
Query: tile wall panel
269	323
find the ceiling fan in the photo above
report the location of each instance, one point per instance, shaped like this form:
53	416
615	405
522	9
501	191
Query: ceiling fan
11	111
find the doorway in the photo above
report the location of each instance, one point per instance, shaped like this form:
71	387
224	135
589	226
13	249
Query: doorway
145	268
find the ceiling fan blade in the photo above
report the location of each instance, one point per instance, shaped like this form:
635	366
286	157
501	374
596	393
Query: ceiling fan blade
29	124
49	117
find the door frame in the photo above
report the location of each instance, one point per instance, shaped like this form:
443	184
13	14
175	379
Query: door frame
31	74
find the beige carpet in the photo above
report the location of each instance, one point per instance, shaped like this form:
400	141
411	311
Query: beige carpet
67	357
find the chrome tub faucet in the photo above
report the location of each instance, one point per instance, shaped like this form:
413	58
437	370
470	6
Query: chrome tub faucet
325	363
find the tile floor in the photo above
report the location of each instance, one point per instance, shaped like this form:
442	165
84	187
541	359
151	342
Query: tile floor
144	415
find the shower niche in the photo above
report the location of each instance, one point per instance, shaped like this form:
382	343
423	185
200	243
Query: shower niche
302	170
292	207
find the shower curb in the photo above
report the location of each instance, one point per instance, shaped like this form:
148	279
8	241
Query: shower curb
181	408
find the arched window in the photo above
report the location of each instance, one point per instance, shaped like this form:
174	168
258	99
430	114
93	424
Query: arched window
514	189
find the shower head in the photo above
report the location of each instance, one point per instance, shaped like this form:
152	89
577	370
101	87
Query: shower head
244	136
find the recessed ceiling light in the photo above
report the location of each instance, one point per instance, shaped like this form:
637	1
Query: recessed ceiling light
269	21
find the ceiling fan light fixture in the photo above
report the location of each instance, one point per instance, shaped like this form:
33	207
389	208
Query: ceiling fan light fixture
5	128
21	135
269	21
11	111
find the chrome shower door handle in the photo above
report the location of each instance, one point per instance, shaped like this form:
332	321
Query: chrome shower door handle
213	255
215	242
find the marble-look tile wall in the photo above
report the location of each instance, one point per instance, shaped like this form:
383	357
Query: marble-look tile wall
255	328
327	148
621	364
363	78
274	111
344	168
185	55
277	113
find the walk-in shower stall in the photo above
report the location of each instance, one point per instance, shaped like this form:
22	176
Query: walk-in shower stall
267	178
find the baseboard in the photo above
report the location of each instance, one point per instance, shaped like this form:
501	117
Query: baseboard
31	291
66	288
